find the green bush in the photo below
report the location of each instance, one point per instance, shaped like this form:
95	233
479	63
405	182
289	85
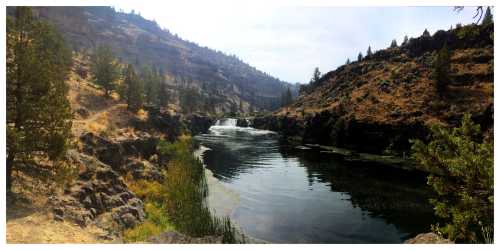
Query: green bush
464	180
179	201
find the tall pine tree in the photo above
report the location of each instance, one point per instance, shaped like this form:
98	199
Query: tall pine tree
441	69
134	91
105	69
38	112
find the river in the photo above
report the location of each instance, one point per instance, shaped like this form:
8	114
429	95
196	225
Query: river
281	194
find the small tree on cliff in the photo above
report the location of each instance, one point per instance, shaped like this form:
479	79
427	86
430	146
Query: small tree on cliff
316	76
38	112
105	69
488	17
441	69
394	44
405	40
360	57
348	61
463	179
426	33
134	91
369	51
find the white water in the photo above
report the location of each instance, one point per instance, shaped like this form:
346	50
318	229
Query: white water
226	122
230	124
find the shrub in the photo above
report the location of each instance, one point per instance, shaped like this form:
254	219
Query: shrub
464	182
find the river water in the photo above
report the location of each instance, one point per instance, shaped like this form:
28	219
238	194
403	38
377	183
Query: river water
287	195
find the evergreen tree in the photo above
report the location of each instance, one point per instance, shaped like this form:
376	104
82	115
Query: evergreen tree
348	61
426	33
38	112
189	99
405	40
164	96
394	44
463	179
316	76
152	81
369	51
105	69
441	69
360	57
134	91
488	17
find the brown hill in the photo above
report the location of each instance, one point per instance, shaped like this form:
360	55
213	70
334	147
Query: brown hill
228	82
385	99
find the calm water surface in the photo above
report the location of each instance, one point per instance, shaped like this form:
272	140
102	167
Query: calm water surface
303	196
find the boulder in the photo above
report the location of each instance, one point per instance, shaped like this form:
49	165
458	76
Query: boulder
428	238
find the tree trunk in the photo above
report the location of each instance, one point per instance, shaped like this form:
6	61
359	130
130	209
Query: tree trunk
10	162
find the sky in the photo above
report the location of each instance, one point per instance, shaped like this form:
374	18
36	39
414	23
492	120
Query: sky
288	42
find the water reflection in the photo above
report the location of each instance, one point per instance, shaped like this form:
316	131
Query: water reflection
290	195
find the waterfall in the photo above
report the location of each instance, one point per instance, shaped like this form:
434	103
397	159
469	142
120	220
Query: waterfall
226	122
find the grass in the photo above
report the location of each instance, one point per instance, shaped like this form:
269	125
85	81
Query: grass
178	203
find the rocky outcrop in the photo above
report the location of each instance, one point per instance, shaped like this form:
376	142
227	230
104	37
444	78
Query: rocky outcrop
428	238
97	190
198	124
178	238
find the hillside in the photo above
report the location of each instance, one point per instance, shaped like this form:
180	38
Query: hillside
227	80
389	97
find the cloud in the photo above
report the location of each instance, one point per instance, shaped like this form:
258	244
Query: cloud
288	42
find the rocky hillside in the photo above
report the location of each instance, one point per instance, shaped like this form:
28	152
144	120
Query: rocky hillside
227	79
380	102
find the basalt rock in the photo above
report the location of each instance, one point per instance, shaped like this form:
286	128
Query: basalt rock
198	124
98	190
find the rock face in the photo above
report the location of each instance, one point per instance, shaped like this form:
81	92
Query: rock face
428	238
177	238
198	124
98	190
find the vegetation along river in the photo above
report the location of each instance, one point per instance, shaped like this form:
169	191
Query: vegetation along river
289	195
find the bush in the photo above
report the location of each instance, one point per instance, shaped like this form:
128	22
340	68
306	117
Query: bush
464	183
179	201
157	221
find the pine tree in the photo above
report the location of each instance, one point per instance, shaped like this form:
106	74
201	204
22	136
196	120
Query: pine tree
426	33
360	57
394	44
369	51
488	17
441	69
105	69
316	76
151	79
164	96
348	61
462	167
405	40
134	91
189	100
38	112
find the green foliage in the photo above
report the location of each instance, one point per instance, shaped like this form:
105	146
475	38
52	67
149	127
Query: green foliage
426	33
156	222
105	69
463	180
316	76
134	91
441	69
467	30
360	57
369	51
394	44
152	81
348	61
38	112
405	40
488	17
286	97
189	99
